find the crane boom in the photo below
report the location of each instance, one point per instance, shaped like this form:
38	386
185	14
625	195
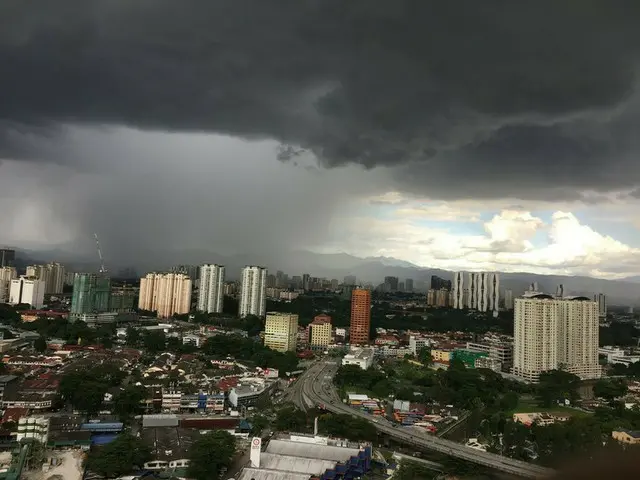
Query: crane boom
103	268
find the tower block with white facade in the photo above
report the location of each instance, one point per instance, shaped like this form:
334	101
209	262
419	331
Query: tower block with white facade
211	291
253	291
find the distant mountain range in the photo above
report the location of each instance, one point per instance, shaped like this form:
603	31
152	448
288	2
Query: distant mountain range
369	269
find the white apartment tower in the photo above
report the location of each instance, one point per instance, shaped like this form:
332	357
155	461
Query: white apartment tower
253	298
211	291
165	293
552	334
479	291
27	290
458	290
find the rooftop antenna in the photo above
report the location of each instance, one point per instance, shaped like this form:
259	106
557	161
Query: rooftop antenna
103	268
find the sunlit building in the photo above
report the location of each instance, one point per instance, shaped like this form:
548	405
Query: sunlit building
165	293
360	316
550	334
27	290
281	331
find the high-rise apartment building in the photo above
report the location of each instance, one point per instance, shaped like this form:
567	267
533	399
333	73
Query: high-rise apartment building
459	289
390	284
211	291
320	330
28	290
52	274
478	291
55	277
281	331
306	281
165	293
508	299
601	300
408	285
253	291
91	294
552	334
192	271
7	257
438	283
6	275
360	316
350	280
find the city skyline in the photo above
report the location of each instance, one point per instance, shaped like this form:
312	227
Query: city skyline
464	156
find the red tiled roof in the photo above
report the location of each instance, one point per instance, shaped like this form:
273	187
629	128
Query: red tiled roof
13	414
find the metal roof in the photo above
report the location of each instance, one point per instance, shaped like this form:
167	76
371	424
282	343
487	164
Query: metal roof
311	450
259	474
287	463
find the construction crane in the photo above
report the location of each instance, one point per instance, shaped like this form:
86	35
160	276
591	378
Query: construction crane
103	268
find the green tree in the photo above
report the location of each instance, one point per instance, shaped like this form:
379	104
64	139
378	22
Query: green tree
154	341
424	356
211	455
290	419
127	401
557	385
610	389
133	337
40	344
346	426
258	424
125	454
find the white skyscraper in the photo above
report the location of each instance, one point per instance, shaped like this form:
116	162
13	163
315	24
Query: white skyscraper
458	291
253	298
478	291
551	334
27	290
211	292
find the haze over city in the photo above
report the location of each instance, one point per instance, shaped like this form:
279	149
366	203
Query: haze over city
373	129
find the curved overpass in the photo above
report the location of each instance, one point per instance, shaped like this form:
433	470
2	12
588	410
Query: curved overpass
317	388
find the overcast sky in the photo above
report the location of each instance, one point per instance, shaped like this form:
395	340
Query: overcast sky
458	134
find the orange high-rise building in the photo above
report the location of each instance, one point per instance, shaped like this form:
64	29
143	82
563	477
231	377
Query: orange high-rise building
360	316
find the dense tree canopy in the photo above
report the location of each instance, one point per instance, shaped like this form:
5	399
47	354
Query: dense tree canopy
124	455
290	419
85	389
346	426
557	386
610	389
222	346
210	455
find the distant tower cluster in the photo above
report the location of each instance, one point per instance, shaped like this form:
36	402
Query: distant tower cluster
601	300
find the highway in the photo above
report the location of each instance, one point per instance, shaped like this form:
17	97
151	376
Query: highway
317	388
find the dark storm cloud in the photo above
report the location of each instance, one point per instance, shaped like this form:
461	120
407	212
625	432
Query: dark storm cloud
531	92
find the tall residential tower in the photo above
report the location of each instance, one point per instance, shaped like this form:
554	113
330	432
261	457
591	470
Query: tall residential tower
552	334
253	291
211	291
165	293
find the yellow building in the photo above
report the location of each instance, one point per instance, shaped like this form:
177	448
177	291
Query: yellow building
281	331
629	437
440	356
320	332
